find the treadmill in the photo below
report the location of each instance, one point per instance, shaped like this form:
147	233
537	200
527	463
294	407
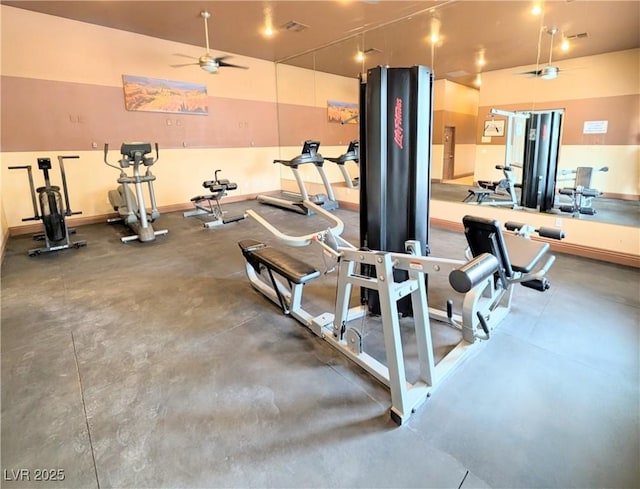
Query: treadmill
293	201
352	154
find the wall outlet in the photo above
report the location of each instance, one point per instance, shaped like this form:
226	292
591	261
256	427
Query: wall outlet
558	222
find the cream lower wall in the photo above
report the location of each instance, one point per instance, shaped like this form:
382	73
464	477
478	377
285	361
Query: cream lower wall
437	153
4	229
600	235
465	159
592	234
179	176
623	176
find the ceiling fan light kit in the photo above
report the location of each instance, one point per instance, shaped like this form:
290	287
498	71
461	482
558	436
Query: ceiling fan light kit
208	63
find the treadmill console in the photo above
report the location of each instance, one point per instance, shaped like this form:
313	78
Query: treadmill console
309	154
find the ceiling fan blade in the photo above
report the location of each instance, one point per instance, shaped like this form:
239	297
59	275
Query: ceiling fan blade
230	65
184	55
532	72
184	64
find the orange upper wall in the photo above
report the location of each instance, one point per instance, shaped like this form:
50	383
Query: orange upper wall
622	113
39	115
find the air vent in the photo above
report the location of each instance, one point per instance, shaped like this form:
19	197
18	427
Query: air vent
457	74
293	26
582	35
372	51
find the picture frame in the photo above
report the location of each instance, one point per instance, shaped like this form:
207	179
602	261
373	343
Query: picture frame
493	127
156	95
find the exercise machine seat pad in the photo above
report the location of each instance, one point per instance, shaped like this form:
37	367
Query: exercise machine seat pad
289	267
524	253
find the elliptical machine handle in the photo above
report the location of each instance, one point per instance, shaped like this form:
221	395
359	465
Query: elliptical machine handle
106	151
63	176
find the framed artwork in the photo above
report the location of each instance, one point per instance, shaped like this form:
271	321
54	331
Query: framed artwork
155	95
342	112
493	127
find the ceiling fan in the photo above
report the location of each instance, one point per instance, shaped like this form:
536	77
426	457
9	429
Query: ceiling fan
210	64
548	72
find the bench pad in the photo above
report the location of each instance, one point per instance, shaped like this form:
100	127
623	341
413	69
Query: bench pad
289	267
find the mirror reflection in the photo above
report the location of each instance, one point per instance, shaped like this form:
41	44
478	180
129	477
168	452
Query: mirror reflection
478	149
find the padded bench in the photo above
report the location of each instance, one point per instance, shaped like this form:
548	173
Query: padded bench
287	266
514	254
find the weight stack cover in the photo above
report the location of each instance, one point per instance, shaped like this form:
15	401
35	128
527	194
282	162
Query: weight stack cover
395	162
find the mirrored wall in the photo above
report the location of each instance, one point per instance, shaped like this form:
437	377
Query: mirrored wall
315	103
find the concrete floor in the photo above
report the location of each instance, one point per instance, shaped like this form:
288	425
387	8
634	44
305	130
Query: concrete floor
157	365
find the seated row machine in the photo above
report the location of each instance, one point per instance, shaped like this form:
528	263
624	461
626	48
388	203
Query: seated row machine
132	208
53	211
504	189
497	262
209	205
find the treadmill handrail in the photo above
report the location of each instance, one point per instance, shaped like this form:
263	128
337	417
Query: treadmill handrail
316	159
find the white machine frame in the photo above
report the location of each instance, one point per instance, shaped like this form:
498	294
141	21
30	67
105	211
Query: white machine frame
486	302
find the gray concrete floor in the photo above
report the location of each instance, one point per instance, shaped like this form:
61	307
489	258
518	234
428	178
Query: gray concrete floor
157	365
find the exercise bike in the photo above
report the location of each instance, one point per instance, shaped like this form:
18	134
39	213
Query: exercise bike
209	205
131	208
53	212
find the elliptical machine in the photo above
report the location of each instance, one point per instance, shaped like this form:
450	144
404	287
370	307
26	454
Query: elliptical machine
53	212
131	208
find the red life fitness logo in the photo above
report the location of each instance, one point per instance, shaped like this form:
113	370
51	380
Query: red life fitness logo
398	131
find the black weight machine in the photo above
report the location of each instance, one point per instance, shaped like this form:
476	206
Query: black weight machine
352	154
209	204
293	201
131	208
53	212
540	162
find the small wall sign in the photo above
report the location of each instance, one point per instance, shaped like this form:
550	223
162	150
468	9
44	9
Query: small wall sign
595	127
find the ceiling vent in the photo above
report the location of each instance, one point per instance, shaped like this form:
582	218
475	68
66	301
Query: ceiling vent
582	35
457	74
293	26
372	51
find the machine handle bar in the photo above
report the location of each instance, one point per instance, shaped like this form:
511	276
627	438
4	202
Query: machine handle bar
337	226
63	175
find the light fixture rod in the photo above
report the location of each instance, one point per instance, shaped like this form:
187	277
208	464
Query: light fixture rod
205	15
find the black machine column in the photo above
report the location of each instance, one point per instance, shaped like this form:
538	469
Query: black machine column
540	162
396	106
